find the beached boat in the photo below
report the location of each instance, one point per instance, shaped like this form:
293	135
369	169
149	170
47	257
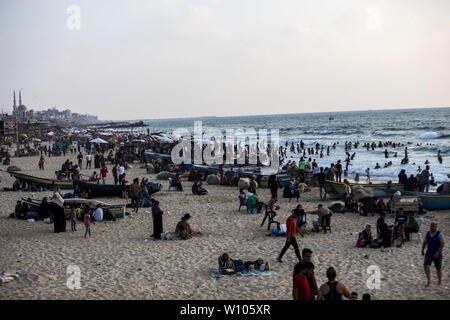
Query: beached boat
156	155
430	200
435	201
335	190
44	183
117	211
110	190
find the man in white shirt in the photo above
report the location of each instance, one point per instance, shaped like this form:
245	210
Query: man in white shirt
98	213
88	160
121	172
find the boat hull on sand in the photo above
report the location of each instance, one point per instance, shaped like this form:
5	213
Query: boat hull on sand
118	211
335	190
110	190
44	183
430	200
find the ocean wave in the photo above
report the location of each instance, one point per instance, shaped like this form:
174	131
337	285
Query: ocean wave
432	135
444	149
385	134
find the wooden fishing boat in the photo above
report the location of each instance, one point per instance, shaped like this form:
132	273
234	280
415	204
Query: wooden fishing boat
117	211
44	183
110	190
435	201
156	155
335	190
430	200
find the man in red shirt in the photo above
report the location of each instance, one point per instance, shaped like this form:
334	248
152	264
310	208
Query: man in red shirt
301	286
291	229
103	173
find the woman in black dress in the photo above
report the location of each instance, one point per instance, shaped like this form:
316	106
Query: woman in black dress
44	209
274	184
157	220
57	210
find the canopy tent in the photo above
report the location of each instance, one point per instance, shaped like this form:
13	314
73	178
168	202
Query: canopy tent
98	140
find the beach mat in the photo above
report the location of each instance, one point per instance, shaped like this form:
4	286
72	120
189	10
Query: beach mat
216	274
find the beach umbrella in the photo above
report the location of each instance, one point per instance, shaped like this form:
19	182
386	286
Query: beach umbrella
98	140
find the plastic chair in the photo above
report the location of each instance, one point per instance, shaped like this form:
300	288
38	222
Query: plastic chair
326	223
418	233
242	203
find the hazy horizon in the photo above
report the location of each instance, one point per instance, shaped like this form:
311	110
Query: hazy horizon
139	59
283	114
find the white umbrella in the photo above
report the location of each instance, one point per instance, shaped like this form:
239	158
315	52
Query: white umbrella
98	140
51	133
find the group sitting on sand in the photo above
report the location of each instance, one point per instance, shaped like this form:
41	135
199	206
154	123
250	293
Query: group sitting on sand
388	236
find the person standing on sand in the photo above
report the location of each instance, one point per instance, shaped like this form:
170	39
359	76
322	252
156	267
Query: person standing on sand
80	160
41	163
115	173
425	185
73	218
434	242
104	173
291	229
123	186
301	289
322	186
312	283
87	223
88	161
157	220
338	167
121	173
274	184
134	192
57	210
333	290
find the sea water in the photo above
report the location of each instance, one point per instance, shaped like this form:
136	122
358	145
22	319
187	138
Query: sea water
423	131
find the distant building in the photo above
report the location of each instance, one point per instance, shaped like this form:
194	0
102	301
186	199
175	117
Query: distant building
53	115
20	111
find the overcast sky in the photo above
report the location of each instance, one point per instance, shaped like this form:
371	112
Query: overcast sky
141	59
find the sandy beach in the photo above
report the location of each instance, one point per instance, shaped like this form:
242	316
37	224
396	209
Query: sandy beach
116	263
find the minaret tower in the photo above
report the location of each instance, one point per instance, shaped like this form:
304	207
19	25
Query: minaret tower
14	106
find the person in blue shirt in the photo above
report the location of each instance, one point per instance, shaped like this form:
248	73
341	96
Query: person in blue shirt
434	242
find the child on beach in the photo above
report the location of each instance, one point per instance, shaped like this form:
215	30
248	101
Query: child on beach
73	218
87	223
78	211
